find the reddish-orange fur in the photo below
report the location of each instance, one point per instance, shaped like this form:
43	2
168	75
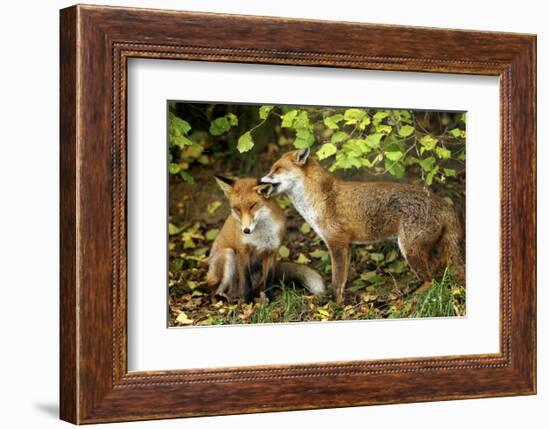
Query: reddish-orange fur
234	252
346	212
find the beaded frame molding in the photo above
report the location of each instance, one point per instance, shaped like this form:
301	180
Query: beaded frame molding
96	43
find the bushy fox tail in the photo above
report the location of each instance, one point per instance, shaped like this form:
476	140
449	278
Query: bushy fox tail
300	274
450	252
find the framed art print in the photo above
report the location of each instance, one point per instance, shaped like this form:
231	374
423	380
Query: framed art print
275	223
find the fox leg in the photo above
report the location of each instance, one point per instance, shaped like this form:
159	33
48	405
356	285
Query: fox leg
215	269
245	288
268	274
417	256
339	255
223	272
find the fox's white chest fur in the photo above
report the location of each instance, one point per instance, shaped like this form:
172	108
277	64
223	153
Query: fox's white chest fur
306	208
266	235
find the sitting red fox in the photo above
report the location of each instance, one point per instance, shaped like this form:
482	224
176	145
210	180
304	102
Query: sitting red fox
344	212
249	241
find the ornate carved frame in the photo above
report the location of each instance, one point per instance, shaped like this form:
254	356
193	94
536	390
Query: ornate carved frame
96	43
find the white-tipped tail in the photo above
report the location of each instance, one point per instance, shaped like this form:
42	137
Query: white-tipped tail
303	275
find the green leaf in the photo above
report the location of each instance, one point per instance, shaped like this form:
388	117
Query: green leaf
442	152
364	123
405	116
428	142
232	119
427	163
357	146
302	121
367	163
395	168
430	175
339	136
373	140
332	121
219	126
372	277
396	267
173	229
305	228
288	118
211	234
245	142
377	257
319	254
304	138
379	116
353	116
406	130
173	168
384	129
264	111
328	149
179	124
451	172
391	255
186	176
394	156
458	133
284	252
180	141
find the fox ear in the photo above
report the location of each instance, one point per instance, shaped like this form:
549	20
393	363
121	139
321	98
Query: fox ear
264	190
225	183
301	156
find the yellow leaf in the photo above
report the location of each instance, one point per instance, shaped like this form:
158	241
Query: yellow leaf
182	319
213	206
302	259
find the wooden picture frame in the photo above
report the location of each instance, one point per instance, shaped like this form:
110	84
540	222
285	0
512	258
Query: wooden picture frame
96	43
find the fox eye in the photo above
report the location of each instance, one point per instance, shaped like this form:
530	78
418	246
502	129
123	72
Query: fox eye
253	205
236	210
276	169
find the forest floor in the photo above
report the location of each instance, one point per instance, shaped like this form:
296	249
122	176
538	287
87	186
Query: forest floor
380	284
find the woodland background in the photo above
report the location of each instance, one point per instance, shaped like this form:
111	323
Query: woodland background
354	143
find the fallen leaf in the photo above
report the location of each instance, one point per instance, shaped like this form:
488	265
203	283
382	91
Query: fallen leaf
284	252
377	257
305	228
173	229
182	319
320	254
211	234
302	259
213	206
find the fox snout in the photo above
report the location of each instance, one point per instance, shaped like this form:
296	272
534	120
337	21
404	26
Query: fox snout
267	180
275	188
248	229
247	224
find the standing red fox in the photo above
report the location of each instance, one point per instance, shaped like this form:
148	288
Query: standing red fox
344	212
248	242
